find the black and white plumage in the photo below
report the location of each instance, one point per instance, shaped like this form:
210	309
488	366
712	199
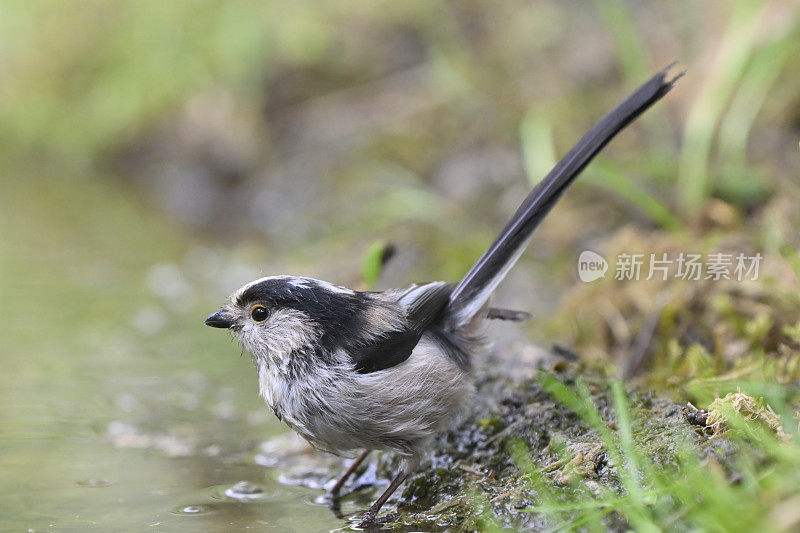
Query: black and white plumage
388	370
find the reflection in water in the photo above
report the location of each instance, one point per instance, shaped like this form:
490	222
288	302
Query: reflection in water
93	482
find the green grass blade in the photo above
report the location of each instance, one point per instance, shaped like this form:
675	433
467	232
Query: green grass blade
735	51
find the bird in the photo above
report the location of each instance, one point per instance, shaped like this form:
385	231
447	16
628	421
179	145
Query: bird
388	370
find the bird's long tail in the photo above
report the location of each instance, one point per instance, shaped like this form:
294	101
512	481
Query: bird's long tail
470	296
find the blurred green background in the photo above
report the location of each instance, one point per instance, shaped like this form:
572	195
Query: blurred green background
155	155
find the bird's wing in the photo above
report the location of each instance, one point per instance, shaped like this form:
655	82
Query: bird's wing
422	304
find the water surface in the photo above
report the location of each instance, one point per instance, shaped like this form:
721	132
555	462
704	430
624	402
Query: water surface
119	410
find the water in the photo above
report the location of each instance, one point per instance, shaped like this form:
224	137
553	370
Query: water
119	410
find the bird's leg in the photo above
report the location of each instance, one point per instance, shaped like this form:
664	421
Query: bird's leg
408	466
334	492
369	516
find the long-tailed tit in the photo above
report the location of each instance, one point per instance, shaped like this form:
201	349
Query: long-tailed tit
387	370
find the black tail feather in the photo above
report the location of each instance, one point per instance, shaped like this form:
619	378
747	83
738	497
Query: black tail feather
472	293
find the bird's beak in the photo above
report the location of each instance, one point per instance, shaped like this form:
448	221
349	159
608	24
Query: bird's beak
220	319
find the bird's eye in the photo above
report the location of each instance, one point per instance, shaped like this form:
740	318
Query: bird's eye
259	313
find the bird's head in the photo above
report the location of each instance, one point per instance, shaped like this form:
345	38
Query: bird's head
278	316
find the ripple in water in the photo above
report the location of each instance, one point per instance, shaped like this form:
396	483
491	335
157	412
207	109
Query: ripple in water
245	491
192	509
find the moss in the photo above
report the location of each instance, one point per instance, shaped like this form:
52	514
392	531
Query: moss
752	409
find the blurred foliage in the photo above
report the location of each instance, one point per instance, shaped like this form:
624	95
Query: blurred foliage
375	258
96	83
760	40
675	334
